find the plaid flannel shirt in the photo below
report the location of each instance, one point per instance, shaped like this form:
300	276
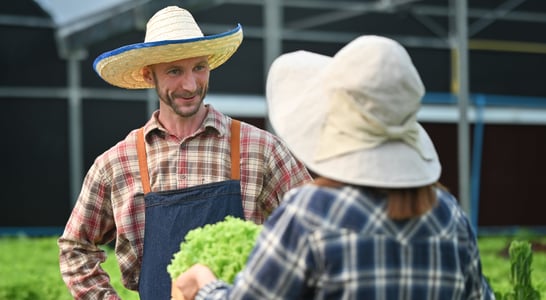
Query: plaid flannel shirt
111	203
324	243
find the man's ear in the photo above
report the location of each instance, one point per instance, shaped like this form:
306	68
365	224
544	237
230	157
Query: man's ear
147	75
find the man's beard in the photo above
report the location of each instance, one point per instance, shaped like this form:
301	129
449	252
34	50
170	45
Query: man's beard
168	98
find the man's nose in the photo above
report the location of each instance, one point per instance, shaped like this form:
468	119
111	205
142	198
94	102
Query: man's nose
188	82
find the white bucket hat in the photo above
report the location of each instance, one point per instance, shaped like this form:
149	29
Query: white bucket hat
352	117
171	34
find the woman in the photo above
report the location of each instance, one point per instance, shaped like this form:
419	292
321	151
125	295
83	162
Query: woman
375	224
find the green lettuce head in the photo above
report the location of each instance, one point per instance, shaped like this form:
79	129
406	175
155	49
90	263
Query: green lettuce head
224	247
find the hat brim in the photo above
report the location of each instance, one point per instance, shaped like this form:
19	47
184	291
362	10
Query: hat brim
298	107
122	67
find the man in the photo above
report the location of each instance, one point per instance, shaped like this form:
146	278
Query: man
188	166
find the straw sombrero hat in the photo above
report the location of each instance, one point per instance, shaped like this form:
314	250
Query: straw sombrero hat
171	34
353	117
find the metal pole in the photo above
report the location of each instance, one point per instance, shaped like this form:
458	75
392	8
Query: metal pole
477	149
462	88
273	18
75	130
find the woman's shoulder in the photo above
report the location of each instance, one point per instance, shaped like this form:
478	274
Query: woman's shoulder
329	205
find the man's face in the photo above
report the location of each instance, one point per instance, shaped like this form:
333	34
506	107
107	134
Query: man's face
182	84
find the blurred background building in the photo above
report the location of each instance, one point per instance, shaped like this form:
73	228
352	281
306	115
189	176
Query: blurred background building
482	63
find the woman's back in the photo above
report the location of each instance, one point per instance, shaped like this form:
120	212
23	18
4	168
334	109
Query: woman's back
345	247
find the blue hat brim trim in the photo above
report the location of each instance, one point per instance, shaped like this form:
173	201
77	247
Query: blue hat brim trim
162	43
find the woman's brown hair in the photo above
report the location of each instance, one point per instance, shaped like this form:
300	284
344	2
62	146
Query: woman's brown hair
408	203
402	204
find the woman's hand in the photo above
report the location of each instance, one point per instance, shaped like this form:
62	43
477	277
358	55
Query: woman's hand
193	279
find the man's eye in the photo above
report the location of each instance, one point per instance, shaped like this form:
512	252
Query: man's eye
173	72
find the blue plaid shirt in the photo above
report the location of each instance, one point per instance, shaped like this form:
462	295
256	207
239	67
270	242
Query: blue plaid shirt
325	243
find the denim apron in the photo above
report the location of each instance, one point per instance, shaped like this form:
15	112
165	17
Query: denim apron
170	215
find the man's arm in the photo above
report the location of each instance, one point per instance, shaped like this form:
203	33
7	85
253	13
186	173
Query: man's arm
90	224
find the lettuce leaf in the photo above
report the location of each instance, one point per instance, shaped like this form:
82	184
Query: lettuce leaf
224	247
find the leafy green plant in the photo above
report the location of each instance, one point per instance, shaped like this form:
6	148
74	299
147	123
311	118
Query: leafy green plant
224	247
29	270
25	273
521	259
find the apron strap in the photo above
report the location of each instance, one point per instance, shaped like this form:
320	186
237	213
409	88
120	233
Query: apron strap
142	161
235	155
235	150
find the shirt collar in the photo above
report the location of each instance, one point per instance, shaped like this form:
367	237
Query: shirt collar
214	120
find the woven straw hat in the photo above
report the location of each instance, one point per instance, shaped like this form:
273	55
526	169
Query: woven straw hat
171	34
353	117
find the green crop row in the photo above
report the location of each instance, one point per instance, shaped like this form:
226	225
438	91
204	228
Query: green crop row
29	269
496	263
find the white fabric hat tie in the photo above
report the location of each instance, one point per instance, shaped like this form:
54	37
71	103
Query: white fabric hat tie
355	129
